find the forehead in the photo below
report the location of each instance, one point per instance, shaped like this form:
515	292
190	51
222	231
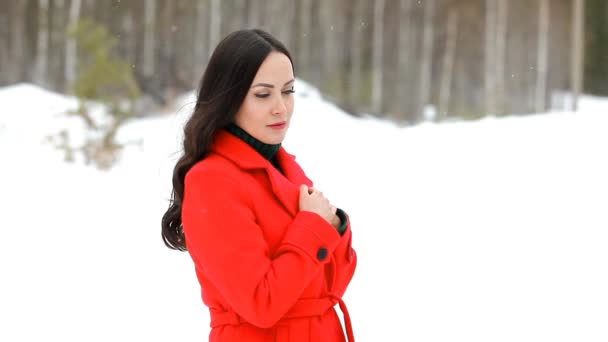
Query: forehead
276	69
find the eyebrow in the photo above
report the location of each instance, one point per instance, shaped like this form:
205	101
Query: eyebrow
270	85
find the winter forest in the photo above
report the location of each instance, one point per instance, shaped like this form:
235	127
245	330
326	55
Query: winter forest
466	140
408	60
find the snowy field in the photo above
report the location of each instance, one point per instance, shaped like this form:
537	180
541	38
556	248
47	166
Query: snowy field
494	230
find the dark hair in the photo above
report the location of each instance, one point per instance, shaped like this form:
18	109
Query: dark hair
225	83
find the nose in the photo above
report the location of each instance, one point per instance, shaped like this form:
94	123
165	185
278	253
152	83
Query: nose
280	107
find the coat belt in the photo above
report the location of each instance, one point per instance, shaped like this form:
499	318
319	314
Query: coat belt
303	308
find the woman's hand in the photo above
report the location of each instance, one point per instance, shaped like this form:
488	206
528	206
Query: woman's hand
313	200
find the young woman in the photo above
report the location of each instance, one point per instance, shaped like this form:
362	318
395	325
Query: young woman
272	255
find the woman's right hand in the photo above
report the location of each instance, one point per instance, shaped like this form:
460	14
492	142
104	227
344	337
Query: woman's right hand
313	200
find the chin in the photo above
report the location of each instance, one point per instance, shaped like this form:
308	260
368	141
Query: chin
275	141
276	138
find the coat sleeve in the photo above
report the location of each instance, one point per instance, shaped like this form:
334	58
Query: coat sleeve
227	244
345	258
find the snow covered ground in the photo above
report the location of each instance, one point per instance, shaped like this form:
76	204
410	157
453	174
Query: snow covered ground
494	230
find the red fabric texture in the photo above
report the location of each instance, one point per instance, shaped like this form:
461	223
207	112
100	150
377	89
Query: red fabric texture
256	256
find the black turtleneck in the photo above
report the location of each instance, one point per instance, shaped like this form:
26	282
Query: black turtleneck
269	151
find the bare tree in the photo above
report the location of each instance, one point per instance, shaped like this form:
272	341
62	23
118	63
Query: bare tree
17	51
490	57
427	55
356	53
403	51
253	16
541	55
57	43
149	27
282	18
70	46
326	10
576	77
305	35
130	42
501	42
447	69
201	41
215	24
42	43
4	47
377	56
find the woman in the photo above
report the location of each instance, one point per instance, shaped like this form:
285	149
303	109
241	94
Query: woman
272	255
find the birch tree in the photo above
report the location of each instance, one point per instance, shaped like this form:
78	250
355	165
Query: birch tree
541	55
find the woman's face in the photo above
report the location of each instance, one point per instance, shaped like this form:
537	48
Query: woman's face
267	108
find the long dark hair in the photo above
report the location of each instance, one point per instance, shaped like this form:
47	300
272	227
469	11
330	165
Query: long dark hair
225	83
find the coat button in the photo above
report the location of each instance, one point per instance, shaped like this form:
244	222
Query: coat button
322	253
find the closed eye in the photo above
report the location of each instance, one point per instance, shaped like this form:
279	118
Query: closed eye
286	92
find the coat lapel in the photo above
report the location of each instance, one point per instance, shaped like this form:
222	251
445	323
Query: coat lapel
285	186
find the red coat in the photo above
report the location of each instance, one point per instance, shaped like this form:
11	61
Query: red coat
267	271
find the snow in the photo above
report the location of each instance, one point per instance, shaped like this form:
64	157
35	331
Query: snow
492	230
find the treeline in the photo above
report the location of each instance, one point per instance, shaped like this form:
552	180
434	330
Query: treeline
464	58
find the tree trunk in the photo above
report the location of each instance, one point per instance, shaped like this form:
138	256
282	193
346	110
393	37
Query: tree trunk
541	61
201	42
427	56
326	9
252	14
305	35
130	40
4	47
214	25
578	36
490	58
238	15
57	44
403	54
149	28
377	56
501	42
356	54
42	43
17	51
70	47
448	64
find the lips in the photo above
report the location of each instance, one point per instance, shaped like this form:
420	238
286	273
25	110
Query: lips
278	124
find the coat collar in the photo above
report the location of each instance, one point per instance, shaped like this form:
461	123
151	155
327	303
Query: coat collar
286	185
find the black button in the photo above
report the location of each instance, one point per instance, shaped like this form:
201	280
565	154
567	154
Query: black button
322	253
